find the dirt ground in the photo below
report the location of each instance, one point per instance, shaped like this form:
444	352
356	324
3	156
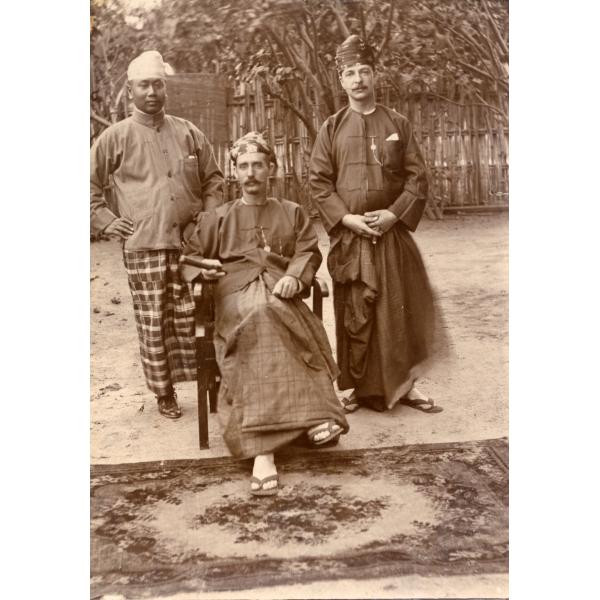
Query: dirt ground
467	260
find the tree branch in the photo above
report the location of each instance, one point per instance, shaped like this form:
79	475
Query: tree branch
477	48
295	60
336	9
100	119
388	31
306	39
316	84
446	99
309	126
363	28
499	37
492	51
502	111
120	94
493	54
482	103
485	74
320	69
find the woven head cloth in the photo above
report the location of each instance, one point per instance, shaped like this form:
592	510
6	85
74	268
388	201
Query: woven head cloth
353	51
148	65
253	141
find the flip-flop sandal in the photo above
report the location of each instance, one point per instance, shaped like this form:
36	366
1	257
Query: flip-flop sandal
422	405
260	491
350	403
334	432
169	409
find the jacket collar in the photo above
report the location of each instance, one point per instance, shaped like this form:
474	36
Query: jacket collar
148	120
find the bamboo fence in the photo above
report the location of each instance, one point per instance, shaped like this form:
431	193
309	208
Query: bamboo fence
466	150
250	110
465	147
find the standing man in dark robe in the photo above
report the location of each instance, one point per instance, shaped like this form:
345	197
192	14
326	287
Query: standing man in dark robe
277	370
369	183
162	172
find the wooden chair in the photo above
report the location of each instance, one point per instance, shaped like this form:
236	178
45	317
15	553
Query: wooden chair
208	376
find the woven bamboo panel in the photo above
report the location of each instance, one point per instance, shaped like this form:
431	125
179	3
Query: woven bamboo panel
202	99
466	147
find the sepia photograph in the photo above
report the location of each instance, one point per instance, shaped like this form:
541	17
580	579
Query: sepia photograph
299	299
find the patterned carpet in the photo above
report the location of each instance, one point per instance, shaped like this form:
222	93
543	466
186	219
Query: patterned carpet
184	526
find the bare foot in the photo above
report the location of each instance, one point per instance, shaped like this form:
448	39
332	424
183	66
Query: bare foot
322	431
418	400
264	465
415	394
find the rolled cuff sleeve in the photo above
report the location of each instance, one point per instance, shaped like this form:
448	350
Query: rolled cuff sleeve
408	209
307	257
410	205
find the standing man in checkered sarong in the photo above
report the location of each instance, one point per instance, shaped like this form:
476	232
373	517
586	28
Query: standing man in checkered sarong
163	173
369	183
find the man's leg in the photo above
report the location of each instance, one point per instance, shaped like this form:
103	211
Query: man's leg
416	399
265	480
416	394
179	323
147	275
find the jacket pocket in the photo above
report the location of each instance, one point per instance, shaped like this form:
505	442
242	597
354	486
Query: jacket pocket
189	169
393	156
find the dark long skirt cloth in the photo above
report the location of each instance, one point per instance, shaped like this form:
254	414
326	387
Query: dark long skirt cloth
389	327
277	370
163	306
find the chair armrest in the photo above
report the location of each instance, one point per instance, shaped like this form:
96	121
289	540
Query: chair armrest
322	285
317	285
320	290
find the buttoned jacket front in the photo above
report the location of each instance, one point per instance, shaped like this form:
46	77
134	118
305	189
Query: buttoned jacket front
161	171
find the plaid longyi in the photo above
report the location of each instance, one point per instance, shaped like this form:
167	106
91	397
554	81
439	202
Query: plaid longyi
163	306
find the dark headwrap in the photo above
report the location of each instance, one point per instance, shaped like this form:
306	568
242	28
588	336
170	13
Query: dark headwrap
253	141
353	51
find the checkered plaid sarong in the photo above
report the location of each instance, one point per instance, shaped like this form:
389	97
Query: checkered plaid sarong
163	306
276	367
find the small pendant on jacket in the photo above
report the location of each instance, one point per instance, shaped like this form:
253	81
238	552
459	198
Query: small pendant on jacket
266	246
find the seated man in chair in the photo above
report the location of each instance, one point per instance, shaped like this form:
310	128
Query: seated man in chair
276	366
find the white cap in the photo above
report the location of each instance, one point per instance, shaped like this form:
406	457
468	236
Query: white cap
148	65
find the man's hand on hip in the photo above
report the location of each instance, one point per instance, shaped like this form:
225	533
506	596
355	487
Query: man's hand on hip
360	225
382	219
121	227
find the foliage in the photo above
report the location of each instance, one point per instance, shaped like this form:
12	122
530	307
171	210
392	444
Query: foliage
112	43
457	50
